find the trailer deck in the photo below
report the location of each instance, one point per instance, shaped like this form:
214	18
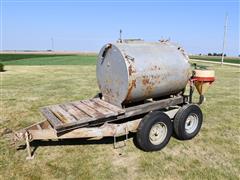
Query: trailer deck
69	116
79	113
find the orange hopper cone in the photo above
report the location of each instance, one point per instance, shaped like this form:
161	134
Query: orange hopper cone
203	80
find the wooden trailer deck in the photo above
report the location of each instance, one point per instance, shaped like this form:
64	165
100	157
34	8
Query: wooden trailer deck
69	116
79	113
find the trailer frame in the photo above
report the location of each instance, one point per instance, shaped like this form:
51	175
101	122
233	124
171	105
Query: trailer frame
121	125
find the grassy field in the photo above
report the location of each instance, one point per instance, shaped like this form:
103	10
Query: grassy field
71	59
213	154
13	57
47	59
235	60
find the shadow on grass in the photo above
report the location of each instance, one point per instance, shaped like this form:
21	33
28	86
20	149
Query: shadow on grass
80	141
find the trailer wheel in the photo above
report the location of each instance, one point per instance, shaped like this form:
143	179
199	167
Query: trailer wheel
154	131
187	122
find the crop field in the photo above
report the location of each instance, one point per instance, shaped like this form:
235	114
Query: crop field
47	59
235	60
41	81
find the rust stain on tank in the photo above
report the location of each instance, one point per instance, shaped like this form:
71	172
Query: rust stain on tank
150	83
145	80
109	93
151	80
131	87
155	68
148	90
131	70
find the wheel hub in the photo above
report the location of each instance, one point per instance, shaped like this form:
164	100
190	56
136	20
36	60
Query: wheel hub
191	123
158	133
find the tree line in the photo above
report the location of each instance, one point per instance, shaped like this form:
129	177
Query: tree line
216	54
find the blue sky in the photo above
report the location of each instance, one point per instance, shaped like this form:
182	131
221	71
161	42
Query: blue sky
86	26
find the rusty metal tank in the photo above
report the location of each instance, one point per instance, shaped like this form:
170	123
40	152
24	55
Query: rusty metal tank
132	71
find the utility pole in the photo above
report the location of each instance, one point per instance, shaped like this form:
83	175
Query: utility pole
224	38
52	43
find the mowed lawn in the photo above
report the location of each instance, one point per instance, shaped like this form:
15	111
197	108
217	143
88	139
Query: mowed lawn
213	154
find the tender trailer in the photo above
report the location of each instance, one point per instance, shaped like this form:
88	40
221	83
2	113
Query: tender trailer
142	86
152	122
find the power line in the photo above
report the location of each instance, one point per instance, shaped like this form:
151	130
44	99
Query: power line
52	43
224	38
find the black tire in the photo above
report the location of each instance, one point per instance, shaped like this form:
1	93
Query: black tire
193	125
98	95
147	124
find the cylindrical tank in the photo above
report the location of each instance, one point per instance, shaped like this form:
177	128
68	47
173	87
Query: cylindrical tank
134	71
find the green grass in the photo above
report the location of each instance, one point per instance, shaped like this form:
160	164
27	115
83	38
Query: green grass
217	59
213	154
46	59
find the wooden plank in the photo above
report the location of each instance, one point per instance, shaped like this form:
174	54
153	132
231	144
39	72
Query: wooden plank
45	125
97	118
71	126
104	131
78	114
109	106
130	112
151	106
88	110
61	114
52	119
39	127
99	108
142	109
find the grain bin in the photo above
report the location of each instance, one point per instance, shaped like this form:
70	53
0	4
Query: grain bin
132	71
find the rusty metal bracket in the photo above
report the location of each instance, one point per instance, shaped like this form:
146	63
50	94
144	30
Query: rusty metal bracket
27	139
116	144
130	58
201	99
108	46
191	91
